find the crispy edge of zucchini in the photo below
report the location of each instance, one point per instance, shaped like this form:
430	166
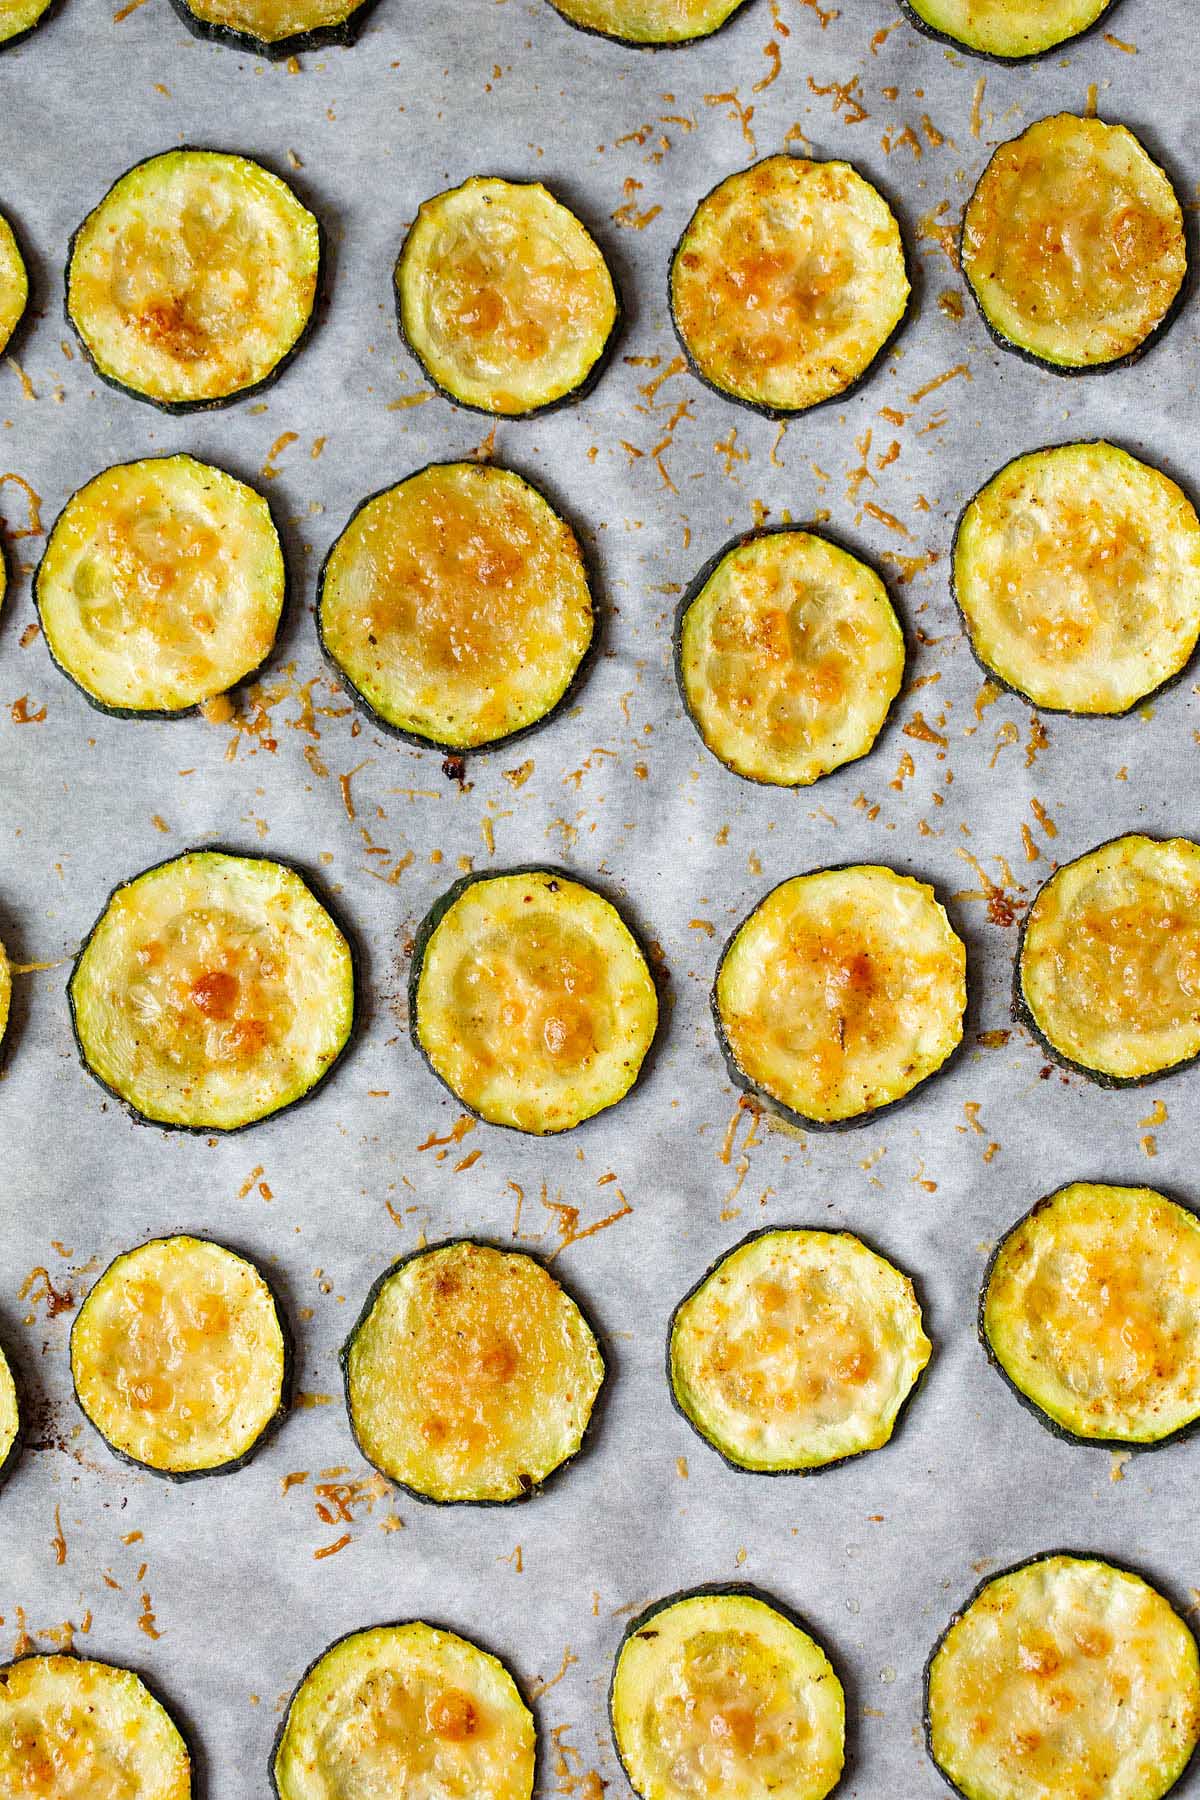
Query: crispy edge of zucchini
569	693
993	56
11	1456
635	43
287	1374
182	1727
27	31
321	37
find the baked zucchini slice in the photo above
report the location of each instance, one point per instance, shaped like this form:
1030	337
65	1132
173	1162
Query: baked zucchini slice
14	281
19	17
1005	30
719	1691
180	1357
1077	572
193	282
1069	1676
1107	969
788	654
841	992
654	24
788	282
161	586
275	29
75	1729
10	1420
531	999
456	606
5	988
212	991
1073	245
504	297
405	1709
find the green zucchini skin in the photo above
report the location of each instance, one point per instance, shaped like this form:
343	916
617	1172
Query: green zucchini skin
19	37
1005	62
325	37
625	43
13	1455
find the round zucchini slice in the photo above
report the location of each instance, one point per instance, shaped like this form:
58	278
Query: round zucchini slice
19	17
787	283
1077	572
194	280
789	655
212	991
505	298
1005	30
10	1420
75	1729
653	24
531	999
180	1357
456	606
470	1375
275	29
1108	971
161	586
1067	1676
405	1709
720	1692
1073	245
841	992
5	991
14	282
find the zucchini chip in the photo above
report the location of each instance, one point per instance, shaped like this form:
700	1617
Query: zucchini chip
456	606
19	17
1066	1676
193	282
531	1000
275	29
505	298
655	24
212	991
798	1349
787	283
1073	245
1005	30
470	1375
405	1709
10	1420
840	993
180	1357
5	991
161	586
1107	968
789	655
14	282
1077	572
74	1729
720	1692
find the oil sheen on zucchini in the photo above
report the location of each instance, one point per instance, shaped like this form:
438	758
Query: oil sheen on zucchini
193	281
1107	969
1073	244
789	655
14	282
405	1709
457	606
1077	572
531	999
1007	30
470	1375
788	282
275	28
10	1419
654	23
74	1729
212	991
719	1692
504	297
840	993
1066	1676
161	586
18	18
179	1357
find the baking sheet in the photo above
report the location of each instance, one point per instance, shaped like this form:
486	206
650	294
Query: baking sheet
216	1589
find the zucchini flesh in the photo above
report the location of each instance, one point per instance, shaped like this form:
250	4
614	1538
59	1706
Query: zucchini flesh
720	1693
14	282
1092	1310
457	606
406	1709
162	585
1066	1676
651	22
5	975
73	1729
1077	570
212	991
194	279
1073	243
1109	954
798	1349
179	1357
10	1417
841	992
1007	29
788	282
532	1000
789	657
504	297
276	28
18	18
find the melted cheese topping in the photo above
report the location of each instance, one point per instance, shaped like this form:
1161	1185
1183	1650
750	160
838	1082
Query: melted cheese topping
406	1709
842	991
274	21
18	17
71	1729
649	21
1074	243
1010	28
788	282
1066	1677
457	604
1110	959
10	1412
504	296
14	283
194	277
